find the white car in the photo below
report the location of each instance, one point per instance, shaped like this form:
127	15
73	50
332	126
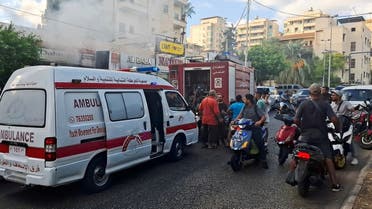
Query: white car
357	94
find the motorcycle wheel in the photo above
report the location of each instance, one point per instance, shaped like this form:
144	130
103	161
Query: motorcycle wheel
303	187
339	160
366	142
235	162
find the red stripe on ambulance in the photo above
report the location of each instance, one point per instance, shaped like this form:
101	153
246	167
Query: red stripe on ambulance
185	127
66	85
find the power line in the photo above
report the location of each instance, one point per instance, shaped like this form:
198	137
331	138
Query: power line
241	17
302	15
52	19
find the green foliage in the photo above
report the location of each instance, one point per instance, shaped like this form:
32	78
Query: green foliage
337	63
188	10
16	51
268	59
300	59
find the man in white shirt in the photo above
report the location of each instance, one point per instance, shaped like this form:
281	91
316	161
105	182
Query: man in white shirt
345	108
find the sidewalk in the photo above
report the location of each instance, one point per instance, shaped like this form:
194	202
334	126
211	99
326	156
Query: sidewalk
361	196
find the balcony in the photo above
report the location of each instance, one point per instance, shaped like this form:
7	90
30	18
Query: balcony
180	2
179	21
133	8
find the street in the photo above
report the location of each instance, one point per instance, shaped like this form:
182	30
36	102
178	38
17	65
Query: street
203	179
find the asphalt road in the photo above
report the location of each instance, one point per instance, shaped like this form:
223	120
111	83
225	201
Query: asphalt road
201	180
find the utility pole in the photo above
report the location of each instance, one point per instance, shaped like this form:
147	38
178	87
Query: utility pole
252	77
330	56
330	51
246	34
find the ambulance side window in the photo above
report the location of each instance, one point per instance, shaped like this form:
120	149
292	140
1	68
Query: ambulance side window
175	101
124	106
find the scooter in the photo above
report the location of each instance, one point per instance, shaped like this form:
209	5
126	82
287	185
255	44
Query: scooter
243	146
362	122
340	141
285	137
310	169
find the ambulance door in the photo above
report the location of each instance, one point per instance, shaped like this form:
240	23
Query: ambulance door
127	127
179	116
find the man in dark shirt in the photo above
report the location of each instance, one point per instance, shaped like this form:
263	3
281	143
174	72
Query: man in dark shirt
325	95
311	117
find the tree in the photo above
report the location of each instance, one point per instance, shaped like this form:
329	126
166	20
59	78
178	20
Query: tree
321	67
16	51
188	11
268	59
300	58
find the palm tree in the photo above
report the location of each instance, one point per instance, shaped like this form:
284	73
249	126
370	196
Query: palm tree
188	11
298	57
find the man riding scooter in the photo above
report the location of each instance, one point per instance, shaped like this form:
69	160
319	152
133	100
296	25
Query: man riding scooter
250	111
311	118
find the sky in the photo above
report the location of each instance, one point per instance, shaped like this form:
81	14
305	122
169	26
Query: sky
229	9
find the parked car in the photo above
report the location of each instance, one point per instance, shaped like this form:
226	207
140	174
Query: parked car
300	96
357	94
292	88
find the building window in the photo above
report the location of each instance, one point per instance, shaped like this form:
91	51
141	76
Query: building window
352	63
353	29
131	29
165	9
352	77
122	28
352	46
343	37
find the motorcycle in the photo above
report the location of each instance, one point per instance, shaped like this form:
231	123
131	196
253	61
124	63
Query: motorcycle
340	141
285	137
362	122
310	169
243	144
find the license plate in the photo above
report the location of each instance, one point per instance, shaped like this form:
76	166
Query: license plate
17	150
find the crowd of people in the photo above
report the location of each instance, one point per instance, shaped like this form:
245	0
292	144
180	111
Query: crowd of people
310	117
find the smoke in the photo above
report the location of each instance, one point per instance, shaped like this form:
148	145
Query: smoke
79	24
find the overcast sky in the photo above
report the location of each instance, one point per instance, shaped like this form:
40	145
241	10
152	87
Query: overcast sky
229	9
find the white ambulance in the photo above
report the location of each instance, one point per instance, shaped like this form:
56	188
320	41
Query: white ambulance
64	124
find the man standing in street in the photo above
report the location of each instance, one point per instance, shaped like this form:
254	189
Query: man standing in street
325	95
234	110
210	118
344	108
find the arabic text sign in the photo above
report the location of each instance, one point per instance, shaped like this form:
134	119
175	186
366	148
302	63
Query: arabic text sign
171	48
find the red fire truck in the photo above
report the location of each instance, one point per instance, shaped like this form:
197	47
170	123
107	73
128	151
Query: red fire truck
226	77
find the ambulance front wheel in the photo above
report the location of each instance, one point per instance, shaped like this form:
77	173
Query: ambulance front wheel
96	179
177	150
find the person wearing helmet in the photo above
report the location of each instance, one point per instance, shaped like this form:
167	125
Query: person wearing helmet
344	108
251	111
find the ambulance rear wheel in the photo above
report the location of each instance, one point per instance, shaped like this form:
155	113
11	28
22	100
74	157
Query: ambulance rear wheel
96	179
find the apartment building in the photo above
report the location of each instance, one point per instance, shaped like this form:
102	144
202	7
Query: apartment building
209	34
302	27
260	29
127	27
350	37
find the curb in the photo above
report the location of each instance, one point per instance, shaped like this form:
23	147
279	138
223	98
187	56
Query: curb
349	202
